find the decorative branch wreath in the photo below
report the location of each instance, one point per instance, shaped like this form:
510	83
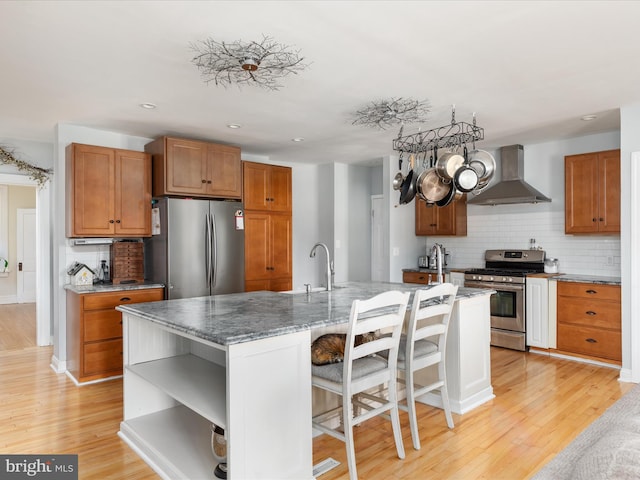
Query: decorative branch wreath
39	174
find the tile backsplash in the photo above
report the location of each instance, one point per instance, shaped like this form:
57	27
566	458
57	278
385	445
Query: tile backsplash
577	254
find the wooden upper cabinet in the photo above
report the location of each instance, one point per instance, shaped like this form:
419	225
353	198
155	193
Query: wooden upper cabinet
267	187
194	168
449	220
108	192
592	192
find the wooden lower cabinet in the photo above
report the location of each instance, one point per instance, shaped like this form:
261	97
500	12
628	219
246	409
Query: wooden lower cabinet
589	320
94	331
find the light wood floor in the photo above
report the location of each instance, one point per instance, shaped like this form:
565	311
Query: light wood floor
541	404
17	326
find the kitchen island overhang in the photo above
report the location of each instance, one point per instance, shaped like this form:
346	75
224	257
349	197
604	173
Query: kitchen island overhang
242	362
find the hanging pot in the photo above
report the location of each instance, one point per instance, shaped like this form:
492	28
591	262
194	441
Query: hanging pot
449	196
448	164
399	178
484	164
431	187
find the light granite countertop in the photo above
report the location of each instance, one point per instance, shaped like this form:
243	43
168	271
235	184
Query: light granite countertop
110	287
595	279
243	317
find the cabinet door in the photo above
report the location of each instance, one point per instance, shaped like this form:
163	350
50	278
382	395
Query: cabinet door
91	191
581	193
426	218
537	312
449	220
280	189
257	258
186	167
281	245
256	180
609	198
132	194
224	177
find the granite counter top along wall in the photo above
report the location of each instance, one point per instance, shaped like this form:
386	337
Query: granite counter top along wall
597	280
109	287
244	317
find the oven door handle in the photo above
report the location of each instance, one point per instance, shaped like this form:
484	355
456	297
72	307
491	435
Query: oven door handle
496	286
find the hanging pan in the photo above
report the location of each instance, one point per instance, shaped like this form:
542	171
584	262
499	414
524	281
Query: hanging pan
399	178
466	178
408	190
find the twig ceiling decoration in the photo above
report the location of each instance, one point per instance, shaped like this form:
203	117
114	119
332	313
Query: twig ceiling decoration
383	114
39	174
262	64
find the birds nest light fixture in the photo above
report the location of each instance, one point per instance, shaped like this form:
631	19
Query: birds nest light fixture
262	63
383	114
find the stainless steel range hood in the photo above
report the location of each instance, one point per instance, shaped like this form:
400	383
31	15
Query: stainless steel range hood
512	188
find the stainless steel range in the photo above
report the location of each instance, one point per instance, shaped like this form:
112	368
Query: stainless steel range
506	272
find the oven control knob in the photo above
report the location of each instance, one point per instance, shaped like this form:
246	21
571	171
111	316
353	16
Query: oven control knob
491	279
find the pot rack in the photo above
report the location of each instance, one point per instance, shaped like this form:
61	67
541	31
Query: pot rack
447	136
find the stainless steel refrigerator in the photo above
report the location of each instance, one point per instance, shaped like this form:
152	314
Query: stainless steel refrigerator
199	251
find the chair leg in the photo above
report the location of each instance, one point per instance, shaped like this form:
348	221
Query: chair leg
444	393
347	421
411	409
395	419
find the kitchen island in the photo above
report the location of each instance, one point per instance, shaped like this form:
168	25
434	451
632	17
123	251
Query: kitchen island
242	362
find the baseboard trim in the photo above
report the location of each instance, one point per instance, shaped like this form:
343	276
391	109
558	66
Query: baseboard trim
57	365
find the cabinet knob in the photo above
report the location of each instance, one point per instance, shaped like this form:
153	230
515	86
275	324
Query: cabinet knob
591	292
204	181
125	299
208	181
111	221
591	340
117	221
593	219
590	312
601	219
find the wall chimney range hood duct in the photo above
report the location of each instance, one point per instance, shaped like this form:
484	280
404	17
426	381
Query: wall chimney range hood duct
512	188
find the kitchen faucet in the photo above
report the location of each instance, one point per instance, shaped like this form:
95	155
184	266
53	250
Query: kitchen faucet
438	252
330	270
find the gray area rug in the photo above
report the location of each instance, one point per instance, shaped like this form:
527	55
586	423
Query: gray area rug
609	448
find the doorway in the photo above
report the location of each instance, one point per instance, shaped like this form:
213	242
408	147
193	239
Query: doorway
42	240
377	238
26	255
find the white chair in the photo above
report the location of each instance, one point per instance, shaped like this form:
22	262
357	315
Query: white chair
365	368
424	345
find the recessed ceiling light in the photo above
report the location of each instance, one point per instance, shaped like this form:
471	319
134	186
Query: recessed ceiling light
234	125
588	118
297	139
148	106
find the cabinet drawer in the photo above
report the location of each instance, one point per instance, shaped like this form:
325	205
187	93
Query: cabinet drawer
594	314
419	277
590	341
589	291
102	357
96	301
102	325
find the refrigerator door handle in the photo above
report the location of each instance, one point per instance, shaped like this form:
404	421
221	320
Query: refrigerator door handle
207	249
214	250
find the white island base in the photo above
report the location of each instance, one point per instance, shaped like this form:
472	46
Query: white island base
177	385
468	357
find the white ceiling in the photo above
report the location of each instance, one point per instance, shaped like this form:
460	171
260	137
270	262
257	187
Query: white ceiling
529	69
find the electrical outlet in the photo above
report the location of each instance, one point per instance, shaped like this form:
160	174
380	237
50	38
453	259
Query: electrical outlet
396	252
